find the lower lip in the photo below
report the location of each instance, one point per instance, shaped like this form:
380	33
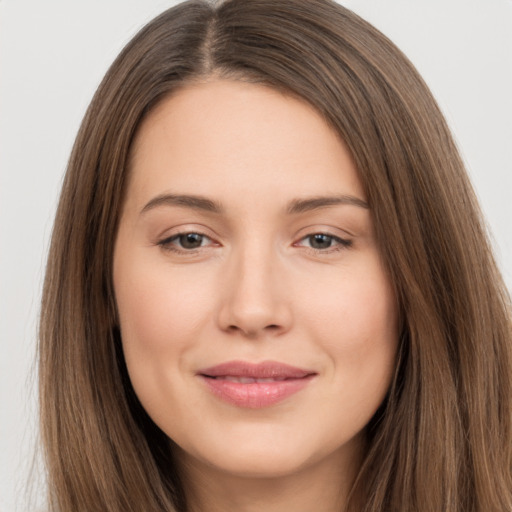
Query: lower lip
255	395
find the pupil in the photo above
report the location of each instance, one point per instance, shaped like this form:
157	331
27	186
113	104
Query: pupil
320	241
191	240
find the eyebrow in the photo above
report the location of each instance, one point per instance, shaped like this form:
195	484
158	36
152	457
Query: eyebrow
295	207
315	203
187	201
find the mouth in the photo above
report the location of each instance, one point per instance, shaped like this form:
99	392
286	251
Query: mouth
255	386
247	380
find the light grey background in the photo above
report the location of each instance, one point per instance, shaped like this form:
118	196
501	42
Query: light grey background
53	55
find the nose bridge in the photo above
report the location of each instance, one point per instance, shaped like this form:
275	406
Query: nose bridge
254	301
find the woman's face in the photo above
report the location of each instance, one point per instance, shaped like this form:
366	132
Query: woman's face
258	324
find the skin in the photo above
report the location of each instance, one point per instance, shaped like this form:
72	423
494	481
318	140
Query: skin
258	287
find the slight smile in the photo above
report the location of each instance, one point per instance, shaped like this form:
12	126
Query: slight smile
255	386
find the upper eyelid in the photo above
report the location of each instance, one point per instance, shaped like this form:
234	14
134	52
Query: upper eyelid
310	232
343	242
332	231
185	229
331	235
174	236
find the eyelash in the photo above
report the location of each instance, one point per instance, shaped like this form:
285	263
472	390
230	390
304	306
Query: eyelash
341	243
167	243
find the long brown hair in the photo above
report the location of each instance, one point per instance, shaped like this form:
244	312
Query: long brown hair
442	441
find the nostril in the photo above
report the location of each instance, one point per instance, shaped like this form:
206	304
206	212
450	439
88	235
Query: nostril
252	333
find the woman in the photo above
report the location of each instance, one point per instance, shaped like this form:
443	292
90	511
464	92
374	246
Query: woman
269	286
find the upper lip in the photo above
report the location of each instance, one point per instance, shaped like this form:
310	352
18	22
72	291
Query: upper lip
263	370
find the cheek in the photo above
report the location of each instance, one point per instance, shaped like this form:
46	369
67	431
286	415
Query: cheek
359	311
161	315
356	323
158	310
146	314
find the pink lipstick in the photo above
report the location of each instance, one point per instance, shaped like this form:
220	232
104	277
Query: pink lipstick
255	386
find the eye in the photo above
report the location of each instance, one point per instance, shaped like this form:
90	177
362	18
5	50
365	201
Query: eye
185	241
323	242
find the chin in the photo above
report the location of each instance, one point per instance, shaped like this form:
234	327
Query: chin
264	464
261	456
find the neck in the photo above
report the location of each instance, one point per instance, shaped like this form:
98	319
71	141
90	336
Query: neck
322	487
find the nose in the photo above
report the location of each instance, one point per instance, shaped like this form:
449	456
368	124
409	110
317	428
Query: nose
255	301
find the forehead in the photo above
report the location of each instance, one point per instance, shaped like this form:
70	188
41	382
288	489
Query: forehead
221	136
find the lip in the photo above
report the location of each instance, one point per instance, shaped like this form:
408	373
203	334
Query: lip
255	386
